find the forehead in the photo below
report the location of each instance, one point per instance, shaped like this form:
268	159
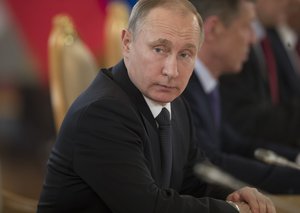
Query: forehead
173	23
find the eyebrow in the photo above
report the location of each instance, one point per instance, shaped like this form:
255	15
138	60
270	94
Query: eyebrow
169	44
162	42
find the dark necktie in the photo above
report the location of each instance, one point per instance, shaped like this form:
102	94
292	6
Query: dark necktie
164	126
214	99
271	68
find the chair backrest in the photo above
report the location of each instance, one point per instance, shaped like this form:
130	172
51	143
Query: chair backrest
71	65
117	14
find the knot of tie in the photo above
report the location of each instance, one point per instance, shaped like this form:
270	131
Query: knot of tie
163	118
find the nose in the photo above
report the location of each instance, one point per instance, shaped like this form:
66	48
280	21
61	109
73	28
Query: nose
170	68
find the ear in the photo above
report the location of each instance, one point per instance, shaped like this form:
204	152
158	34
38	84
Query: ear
213	27
126	41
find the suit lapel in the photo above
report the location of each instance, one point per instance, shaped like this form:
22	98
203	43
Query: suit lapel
203	100
180	139
120	75
151	147
203	115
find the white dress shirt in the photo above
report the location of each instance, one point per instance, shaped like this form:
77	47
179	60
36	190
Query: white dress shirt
208	82
156	108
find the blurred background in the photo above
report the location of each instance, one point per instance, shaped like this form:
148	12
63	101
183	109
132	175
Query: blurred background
27	126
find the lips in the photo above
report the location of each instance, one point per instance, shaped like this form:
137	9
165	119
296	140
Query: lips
166	86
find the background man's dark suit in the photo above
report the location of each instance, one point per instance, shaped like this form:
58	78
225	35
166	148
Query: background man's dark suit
288	76
225	148
247	105
107	156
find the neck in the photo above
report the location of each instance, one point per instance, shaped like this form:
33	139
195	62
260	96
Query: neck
210	62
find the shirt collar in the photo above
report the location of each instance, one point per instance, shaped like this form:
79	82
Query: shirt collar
259	30
208	82
155	108
288	36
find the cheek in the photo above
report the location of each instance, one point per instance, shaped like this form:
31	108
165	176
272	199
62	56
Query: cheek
148	74
229	61
240	41
184	77
237	62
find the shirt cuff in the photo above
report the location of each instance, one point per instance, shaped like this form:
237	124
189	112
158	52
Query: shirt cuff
234	205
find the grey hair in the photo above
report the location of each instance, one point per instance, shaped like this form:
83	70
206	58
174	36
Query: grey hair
143	7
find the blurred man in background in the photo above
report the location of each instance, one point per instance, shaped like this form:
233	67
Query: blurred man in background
289	33
260	101
228	36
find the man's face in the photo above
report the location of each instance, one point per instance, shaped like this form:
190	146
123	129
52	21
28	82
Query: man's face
233	43
161	58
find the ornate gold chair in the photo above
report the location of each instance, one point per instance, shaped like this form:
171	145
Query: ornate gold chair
71	65
117	18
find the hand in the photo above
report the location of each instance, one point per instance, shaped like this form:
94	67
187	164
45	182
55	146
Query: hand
257	202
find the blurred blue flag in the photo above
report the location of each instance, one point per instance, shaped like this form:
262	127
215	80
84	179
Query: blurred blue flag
131	2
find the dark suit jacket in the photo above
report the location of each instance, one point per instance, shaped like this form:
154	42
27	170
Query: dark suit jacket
107	156
247	105
225	148
288	77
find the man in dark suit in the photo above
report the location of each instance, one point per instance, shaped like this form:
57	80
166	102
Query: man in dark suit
259	103
286	46
228	28
111	157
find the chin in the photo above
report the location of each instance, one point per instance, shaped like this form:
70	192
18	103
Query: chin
159	100
237	68
232	70
164	98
